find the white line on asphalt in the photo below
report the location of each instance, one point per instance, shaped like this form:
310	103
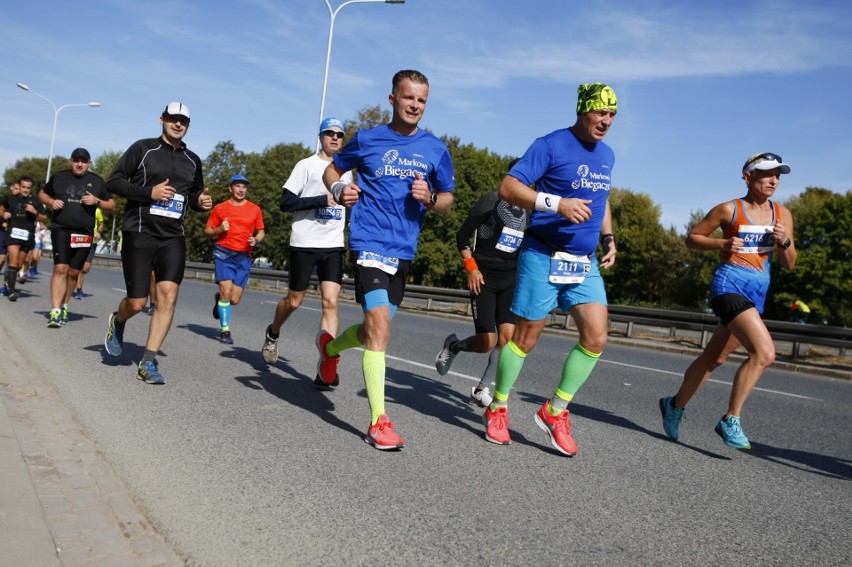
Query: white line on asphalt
467	377
709	380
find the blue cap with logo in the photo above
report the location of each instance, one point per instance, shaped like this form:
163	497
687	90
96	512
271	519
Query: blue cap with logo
238	177
330	122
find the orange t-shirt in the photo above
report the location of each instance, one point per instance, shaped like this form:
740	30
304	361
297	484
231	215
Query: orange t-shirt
243	220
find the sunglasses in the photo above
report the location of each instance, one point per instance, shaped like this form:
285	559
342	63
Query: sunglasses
768	156
333	134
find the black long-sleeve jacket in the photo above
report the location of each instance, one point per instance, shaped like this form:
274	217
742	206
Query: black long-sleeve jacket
145	164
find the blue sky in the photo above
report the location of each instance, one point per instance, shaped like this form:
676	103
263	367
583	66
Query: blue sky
701	84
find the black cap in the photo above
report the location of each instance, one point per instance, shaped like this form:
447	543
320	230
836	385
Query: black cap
81	153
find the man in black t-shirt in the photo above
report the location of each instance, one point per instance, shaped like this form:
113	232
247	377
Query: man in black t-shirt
73	195
21	212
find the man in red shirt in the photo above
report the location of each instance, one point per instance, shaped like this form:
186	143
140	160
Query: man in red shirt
237	226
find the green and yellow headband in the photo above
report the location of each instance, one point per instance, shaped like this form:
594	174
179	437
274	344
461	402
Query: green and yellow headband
595	96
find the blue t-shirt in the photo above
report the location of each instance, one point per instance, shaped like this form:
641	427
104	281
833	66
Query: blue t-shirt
387	219
562	164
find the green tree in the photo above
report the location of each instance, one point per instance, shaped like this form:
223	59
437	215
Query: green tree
34	167
102	165
822	277
267	172
477	171
642	271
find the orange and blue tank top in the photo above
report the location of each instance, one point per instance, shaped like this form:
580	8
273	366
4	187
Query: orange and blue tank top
759	240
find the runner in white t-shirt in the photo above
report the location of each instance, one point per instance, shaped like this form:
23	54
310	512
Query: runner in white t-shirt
316	238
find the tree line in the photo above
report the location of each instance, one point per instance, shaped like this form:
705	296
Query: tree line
654	268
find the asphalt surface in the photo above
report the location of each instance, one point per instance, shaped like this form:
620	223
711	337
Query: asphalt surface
235	463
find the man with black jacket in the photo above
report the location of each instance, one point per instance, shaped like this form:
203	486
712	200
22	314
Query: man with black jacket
160	178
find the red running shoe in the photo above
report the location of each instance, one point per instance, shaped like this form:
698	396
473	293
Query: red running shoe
327	365
497	425
382	436
559	429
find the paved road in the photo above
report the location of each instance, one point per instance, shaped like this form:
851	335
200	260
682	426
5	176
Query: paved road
239	464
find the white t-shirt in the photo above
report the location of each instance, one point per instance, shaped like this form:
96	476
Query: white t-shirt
315	228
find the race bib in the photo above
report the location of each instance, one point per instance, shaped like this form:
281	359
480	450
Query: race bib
758	239
329	215
567	268
384	263
173	208
510	239
81	241
20	234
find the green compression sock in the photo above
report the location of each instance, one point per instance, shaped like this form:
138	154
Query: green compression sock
373	366
508	369
349	339
577	368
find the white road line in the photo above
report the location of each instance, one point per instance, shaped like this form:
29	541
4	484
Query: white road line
475	379
709	380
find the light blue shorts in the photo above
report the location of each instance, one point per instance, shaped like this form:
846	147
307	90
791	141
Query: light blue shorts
535	296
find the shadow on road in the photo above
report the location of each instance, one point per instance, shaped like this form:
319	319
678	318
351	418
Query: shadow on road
300	391
823	465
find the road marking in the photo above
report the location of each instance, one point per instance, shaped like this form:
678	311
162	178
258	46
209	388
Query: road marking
709	380
467	377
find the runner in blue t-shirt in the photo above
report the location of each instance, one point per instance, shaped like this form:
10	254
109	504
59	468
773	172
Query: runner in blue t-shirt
402	172
571	169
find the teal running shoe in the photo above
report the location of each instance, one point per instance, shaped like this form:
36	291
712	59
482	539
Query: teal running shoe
731	432
148	373
672	417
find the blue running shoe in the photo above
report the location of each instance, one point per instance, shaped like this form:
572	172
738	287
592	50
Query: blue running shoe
148	372
671	417
113	343
4	291
731	432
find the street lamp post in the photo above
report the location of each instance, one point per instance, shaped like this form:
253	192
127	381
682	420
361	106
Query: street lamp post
333	14
56	112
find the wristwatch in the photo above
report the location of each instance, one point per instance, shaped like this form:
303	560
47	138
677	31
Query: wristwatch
433	198
786	244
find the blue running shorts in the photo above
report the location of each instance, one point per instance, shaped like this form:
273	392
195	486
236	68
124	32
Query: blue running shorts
232	265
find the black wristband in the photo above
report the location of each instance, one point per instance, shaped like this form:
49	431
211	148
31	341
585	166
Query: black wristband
604	237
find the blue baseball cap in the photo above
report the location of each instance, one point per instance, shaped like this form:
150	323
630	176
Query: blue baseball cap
330	122
238	177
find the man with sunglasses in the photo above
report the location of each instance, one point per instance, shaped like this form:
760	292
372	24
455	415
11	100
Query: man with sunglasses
160	178
316	239
74	195
403	171
754	228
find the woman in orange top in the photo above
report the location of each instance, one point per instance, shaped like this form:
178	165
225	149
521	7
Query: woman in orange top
753	228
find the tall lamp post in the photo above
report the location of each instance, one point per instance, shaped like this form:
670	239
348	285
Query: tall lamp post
56	112
333	14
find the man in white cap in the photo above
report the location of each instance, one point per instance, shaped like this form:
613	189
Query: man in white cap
237	226
160	178
316	240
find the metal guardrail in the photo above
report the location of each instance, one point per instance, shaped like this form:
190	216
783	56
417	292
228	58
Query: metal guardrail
796	333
